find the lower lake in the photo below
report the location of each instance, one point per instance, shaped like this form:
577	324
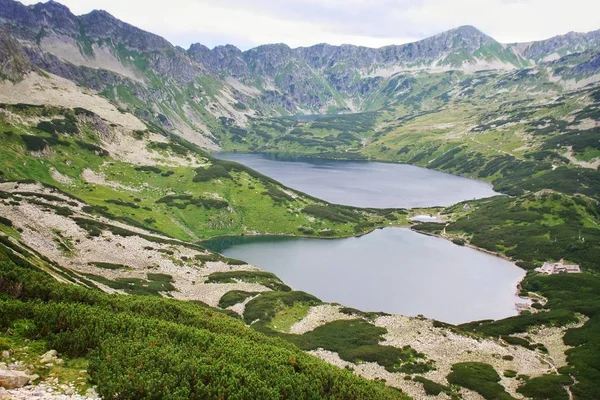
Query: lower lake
365	183
394	270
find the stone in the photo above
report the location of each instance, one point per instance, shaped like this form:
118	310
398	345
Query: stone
49	357
92	394
6	354
13	379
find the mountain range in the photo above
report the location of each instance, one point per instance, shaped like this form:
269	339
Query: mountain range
107	187
200	92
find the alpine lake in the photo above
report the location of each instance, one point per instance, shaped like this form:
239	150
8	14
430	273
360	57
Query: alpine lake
393	270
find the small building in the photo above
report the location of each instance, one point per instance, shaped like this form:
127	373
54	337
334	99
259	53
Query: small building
558	268
466	207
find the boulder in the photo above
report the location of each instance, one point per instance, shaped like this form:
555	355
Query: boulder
13	379
49	357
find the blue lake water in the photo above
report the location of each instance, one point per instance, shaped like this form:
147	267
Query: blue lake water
393	270
365	183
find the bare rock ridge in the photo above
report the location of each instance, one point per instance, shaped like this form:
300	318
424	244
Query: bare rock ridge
13	62
199	92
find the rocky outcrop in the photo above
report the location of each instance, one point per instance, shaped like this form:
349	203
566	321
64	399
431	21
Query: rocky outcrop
572	42
191	92
14	64
13	379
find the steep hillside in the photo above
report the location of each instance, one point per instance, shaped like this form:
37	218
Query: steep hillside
106	187
205	95
133	347
95	204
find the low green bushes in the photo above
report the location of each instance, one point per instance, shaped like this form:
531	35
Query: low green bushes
546	387
184	200
431	388
332	213
40	143
154	286
215	171
67	125
110	266
234	297
264	278
265	306
6	222
358	341
154	348
479	377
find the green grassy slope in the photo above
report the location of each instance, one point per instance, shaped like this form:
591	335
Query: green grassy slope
520	130
142	347
199	198
531	230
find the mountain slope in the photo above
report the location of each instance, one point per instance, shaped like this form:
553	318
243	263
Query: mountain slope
204	95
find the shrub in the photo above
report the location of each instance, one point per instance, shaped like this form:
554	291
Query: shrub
215	171
479	377
431	388
234	297
332	213
358	341
265	306
546	387
148	348
509	373
6	221
264	278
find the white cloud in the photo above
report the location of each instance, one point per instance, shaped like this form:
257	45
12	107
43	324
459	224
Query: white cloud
372	23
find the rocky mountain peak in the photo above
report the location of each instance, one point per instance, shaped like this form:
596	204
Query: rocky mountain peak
465	37
273	49
13	62
99	24
56	16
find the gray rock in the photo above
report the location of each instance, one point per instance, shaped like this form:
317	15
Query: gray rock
49	357
92	394
13	379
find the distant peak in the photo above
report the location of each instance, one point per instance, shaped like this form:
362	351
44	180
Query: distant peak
465	33
274	46
52	6
468	28
100	14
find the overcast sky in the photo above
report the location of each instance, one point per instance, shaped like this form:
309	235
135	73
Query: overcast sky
373	23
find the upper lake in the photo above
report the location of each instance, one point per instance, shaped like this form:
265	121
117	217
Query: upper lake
366	183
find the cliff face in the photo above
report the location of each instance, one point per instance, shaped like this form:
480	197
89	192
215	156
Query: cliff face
201	91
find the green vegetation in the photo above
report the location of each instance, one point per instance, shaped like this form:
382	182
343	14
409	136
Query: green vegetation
332	213
531	136
479	377
111	266
234	297
183	202
265	306
432	388
530	229
358	341
153	286
546	387
562	308
173	349
266	279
